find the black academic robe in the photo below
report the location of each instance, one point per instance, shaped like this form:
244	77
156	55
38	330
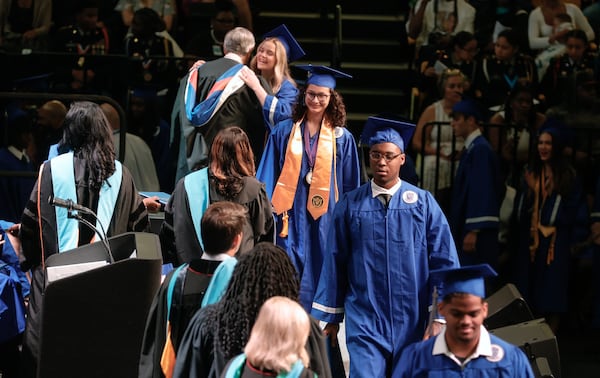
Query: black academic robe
178	236
241	109
197	278
200	356
129	215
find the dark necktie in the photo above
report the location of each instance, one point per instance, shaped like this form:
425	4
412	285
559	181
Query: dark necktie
384	198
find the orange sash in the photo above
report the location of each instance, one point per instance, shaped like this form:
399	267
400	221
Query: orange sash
285	189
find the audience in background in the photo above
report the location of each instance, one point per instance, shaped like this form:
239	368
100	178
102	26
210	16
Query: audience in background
207	43
48	129
138	156
25	24
434	137
84	39
16	187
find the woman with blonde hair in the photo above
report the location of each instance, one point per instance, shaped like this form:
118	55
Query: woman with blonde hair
433	138
277	343
271	62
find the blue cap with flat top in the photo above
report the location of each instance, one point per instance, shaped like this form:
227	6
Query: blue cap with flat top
381	130
467	279
468	107
292	47
323	76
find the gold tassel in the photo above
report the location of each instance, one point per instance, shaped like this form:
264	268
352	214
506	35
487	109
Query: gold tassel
284	225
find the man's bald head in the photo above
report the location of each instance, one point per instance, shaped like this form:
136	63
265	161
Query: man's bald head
111	115
52	114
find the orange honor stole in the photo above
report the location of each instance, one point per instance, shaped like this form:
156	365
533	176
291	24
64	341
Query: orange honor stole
318	195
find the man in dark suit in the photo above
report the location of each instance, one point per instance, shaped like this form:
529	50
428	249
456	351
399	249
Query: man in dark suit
212	97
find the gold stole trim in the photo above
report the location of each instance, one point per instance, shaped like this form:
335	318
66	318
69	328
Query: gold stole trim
318	196
537	227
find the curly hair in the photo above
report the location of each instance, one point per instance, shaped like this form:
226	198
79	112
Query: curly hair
264	272
335	113
88	133
231	159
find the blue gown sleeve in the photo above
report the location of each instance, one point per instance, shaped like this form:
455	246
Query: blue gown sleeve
330	295
440	244
482	207
348	166
271	161
279	107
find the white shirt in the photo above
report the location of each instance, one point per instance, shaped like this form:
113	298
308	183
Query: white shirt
377	190
484	346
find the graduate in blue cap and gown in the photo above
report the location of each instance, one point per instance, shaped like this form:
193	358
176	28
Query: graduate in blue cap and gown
464	348
278	48
477	190
309	161
385	238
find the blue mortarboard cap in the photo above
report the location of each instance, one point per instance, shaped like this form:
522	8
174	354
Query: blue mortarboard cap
467	279
561	136
468	107
292	47
145	93
381	130
323	76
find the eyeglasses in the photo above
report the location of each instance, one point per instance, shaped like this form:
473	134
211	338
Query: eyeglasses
320	96
376	156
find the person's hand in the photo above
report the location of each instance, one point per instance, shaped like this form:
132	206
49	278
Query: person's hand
430	72
152	204
331	330
29	35
12	236
249	77
433	330
469	242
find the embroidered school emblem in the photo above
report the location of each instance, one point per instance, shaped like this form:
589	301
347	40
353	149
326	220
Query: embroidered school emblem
497	353
317	201
410	197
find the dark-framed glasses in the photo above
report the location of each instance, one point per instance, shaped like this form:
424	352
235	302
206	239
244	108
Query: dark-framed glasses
376	156
320	96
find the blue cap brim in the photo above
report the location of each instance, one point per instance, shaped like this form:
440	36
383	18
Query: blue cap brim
381	130
323	76
468	279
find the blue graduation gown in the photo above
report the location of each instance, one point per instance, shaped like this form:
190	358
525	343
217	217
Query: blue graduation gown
546	286
377	271
306	240
279	107
476	202
15	190
506	361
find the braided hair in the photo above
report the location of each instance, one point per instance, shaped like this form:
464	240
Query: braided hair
264	272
